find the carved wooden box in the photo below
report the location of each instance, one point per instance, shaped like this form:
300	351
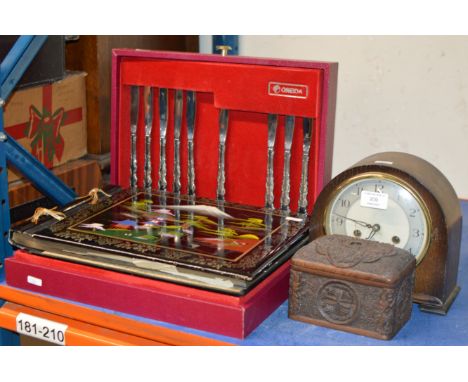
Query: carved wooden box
354	285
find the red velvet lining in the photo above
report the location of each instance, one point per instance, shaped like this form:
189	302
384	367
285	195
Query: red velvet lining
235	86
241	88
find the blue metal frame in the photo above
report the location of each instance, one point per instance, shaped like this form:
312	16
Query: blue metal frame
31	168
12	69
5	248
17	61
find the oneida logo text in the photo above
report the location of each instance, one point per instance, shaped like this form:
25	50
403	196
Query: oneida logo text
287	90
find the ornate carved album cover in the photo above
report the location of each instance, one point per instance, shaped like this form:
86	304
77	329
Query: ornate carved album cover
226	247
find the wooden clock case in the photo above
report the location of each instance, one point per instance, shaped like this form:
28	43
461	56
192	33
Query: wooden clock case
436	275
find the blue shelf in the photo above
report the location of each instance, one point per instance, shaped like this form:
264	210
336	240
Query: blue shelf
12	69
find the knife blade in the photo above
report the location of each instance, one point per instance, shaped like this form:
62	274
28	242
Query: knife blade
307	127
163	106
286	186
148	103
177	127
190	118
134	103
223	128
269	196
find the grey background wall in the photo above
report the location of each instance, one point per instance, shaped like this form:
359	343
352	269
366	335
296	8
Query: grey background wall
399	93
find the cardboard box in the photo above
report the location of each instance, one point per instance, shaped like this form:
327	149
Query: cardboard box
49	121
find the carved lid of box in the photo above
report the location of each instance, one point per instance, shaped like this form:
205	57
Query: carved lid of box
355	260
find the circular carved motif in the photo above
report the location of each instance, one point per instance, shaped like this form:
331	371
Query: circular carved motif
337	302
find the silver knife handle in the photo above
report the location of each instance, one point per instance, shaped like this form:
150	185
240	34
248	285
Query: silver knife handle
133	158
176	185
221	175
190	118
134	106
191	169
178	107
162	164
148	104
304	181
270	181
286	181
148	170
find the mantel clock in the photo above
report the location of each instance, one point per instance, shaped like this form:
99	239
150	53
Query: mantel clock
400	199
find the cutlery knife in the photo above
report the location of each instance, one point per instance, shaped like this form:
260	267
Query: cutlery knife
288	138
163	106
134	103
307	127
269	196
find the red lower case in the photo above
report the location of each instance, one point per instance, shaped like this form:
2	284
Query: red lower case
190	307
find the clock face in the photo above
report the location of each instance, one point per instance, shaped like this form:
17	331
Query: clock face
380	207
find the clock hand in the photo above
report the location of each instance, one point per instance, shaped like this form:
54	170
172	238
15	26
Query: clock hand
375	229
358	222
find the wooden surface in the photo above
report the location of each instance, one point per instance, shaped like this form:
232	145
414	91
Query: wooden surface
81	175
93	55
